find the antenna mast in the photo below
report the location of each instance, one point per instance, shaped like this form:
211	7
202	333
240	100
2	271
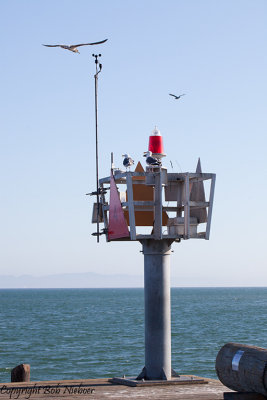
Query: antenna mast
98	68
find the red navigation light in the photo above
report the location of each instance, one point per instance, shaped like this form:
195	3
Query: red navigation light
156	143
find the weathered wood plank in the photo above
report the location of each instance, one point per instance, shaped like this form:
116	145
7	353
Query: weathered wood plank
149	205
187	209
104	211
198	204
102	389
139	203
158	206
194	177
197	194
131	206
212	188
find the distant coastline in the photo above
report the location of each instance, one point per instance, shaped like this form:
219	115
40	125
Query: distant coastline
93	280
78	280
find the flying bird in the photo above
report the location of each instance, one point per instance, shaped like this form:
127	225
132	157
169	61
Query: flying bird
73	47
151	160
177	97
128	161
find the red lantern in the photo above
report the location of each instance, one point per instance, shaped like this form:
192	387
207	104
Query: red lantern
156	143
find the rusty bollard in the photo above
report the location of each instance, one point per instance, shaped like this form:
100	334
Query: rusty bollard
21	373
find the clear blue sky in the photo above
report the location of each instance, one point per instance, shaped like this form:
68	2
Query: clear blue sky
214	51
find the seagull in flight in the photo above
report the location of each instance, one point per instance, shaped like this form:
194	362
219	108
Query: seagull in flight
73	47
128	161
151	160
177	97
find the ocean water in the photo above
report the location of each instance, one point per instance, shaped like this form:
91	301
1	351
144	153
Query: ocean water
93	333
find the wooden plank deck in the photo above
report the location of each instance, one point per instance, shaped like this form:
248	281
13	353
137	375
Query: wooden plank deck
101	389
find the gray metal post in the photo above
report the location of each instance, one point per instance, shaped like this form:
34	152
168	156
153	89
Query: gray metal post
157	309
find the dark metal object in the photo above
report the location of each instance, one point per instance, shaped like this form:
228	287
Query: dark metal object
99	191
104	232
98	68
180	380
243	396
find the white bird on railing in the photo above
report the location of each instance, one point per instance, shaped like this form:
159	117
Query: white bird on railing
151	160
73	47
128	161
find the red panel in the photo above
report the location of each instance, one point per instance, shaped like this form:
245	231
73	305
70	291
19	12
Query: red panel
117	227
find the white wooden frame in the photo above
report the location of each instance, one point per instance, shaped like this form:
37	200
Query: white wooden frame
183	203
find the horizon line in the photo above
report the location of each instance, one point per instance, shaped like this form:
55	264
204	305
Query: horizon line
137	287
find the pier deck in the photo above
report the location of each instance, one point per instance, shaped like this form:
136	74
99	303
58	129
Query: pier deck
102	389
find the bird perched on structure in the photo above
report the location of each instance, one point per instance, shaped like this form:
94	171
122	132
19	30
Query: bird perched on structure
151	160
128	161
73	47
177	97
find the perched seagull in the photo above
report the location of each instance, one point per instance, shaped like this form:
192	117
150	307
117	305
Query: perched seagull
128	161
177	97
73	47
151	160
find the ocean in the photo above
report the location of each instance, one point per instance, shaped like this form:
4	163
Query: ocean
94	333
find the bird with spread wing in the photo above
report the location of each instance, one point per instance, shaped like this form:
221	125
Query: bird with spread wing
73	47
177	97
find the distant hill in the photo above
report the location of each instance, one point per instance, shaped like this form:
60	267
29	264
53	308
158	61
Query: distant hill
81	280
94	280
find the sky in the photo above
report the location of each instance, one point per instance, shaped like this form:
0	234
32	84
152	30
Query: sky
213	51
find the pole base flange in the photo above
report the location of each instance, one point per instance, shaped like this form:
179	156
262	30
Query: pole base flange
181	380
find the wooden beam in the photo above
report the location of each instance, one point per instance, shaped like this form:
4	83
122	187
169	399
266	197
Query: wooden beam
165	236
187	209
212	188
104	211
144	203
193	176
199	204
104	180
201	235
139	182
149	206
131	206
172	177
158	206
173	209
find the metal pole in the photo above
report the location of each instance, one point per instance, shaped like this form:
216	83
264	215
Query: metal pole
157	309
96	137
